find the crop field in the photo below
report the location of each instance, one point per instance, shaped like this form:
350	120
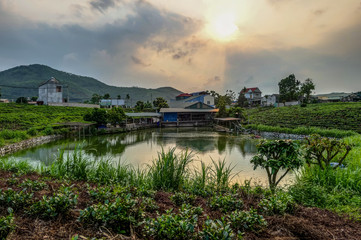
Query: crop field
341	116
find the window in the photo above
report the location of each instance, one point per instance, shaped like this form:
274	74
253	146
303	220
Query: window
208	102
58	88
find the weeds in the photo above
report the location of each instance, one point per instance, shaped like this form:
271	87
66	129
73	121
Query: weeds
225	202
7	224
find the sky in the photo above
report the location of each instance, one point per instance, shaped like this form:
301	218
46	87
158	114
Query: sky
191	45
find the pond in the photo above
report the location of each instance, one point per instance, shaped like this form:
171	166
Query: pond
141	147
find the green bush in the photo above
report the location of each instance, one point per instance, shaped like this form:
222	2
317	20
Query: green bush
32	132
172	226
117	215
149	204
7	224
225	202
217	230
278	203
13	199
179	198
33	185
247	221
50	207
48	131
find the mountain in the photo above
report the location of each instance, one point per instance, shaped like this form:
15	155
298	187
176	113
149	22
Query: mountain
23	81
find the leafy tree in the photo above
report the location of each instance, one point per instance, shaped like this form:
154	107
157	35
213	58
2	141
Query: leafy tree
242	100
221	105
22	100
97	115
34	98
95	98
106	96
306	89
322	151
230	97
0	92
119	97
148	105
289	88
139	105
237	112
160	102
275	156
116	115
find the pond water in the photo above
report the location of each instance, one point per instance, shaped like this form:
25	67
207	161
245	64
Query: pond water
141	147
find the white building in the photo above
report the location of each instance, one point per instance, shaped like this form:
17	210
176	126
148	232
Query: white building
51	91
109	103
270	100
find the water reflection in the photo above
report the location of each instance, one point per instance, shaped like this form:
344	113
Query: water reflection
139	148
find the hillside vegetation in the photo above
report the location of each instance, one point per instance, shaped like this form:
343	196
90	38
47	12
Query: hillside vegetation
342	116
81	88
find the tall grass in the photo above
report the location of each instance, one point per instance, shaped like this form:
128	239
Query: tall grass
169	171
221	174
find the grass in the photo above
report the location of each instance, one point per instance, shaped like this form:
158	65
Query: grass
325	116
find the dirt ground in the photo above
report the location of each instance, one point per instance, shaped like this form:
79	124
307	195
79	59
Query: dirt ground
304	223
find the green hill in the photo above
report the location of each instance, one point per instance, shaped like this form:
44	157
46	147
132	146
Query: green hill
80	88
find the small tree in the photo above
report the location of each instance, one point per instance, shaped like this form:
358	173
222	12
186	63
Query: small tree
289	88
34	98
106	96
139	105
237	112
115	115
160	102
322	151
95	98
275	156
97	115
221	105
22	100
306	89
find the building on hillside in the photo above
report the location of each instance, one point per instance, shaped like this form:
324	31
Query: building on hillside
332	97
270	100
353	97
3	100
188	114
253	95
50	91
202	97
109	103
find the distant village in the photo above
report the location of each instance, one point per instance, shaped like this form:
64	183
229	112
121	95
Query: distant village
197	107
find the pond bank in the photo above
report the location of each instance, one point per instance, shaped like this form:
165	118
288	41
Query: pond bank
12	148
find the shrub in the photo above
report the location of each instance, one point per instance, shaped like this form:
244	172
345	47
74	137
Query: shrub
117	215
149	204
50	207
13	199
48	131
217	230
275	156
33	185
7	224
172	226
97	115
179	198
278	203
247	221
225	203
32	132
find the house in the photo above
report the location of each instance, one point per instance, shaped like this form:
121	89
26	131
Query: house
270	100
4	100
353	97
188	114
109	103
50	91
202	97
253	95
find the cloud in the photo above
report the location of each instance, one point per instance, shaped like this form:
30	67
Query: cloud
138	61
103	5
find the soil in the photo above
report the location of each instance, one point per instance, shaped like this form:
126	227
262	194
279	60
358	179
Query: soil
304	223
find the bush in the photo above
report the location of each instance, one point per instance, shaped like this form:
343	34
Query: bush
117	215
173	226
225	202
216	230
179	198
13	199
278	203
7	224
247	221
33	185
32	132
50	207
48	131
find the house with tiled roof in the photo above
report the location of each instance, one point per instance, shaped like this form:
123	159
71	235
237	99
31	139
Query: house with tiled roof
253	95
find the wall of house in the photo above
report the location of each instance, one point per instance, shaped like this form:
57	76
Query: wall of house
209	100
170	117
48	93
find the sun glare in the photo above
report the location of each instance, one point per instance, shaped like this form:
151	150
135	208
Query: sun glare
223	27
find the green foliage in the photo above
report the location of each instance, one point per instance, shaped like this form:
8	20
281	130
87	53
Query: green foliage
247	221
323	151
306	89
116	115
289	88
322	116
170	170
160	102
48	131
33	185
278	203
221	105
139	105
225	202
13	199
50	207
237	112
180	198
7	224
117	215
277	155
172	226
22	100
32	132
97	115
217	230
221	174
149	204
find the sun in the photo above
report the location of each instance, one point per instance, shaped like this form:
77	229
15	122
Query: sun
223	27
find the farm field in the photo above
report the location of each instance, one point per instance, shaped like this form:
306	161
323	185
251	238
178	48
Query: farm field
341	116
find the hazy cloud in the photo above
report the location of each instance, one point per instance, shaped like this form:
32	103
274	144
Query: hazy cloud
103	5
138	61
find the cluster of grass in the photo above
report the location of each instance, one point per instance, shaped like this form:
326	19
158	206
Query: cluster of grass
22	121
335	189
341	116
